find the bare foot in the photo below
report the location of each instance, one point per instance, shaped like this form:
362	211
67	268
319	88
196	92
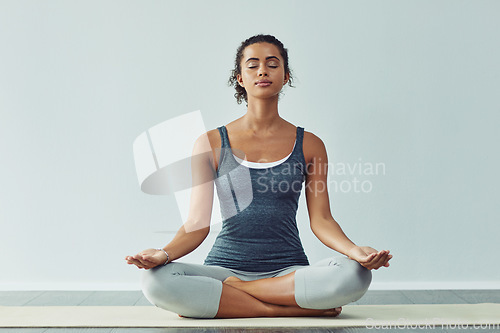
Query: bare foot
289	311
332	312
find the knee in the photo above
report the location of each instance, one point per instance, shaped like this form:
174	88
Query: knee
352	283
172	288
158	285
361	280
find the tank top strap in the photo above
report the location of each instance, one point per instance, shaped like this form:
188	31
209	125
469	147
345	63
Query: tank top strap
298	141
300	136
224	148
223	137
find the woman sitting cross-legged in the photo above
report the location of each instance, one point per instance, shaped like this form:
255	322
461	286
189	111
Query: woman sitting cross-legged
259	164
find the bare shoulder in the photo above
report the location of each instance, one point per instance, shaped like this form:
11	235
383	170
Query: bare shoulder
313	146
214	138
213	144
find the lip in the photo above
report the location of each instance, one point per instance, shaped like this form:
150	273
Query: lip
263	83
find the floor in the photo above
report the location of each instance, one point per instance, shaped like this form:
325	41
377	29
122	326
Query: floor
130	298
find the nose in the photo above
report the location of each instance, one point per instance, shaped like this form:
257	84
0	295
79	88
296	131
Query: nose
262	70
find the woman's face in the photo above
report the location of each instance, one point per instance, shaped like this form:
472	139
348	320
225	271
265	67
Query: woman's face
262	71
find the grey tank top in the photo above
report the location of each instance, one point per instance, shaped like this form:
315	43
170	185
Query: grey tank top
258	208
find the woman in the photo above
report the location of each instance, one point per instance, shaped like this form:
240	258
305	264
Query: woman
257	266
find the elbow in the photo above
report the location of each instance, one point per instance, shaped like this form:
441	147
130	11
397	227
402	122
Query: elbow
201	227
320	222
327	230
317	230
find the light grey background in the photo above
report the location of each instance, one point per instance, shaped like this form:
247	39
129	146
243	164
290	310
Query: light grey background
410	84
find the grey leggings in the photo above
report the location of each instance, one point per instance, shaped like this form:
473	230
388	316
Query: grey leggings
194	290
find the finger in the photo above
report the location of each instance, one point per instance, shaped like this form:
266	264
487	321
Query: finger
371	264
141	260
389	257
384	252
369	258
384	261
132	261
376	257
381	259
368	264
137	263
378	261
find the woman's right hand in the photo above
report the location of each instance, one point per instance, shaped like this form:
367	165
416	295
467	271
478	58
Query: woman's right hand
147	259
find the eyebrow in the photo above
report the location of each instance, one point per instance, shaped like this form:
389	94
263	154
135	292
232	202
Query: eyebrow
267	58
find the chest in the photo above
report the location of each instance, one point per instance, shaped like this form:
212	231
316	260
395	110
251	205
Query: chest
262	150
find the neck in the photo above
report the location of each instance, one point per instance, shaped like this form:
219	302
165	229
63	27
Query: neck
262	115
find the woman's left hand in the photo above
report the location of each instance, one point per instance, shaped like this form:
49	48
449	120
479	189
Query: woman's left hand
369	257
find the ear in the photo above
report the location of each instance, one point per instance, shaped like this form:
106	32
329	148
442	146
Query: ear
240	80
287	77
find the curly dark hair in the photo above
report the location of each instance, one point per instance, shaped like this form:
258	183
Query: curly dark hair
241	93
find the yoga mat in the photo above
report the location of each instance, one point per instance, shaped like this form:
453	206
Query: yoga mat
370	316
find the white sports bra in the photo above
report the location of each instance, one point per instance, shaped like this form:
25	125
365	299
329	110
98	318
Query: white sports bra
256	165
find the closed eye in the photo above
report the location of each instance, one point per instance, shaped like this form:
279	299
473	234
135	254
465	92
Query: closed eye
257	66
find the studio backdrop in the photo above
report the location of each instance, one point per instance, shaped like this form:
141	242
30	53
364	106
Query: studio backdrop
404	94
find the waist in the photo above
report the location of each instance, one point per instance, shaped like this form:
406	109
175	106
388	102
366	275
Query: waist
255	257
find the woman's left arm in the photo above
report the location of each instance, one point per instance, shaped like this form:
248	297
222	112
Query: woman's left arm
323	224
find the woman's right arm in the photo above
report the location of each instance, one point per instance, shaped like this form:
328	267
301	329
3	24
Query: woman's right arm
194	231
